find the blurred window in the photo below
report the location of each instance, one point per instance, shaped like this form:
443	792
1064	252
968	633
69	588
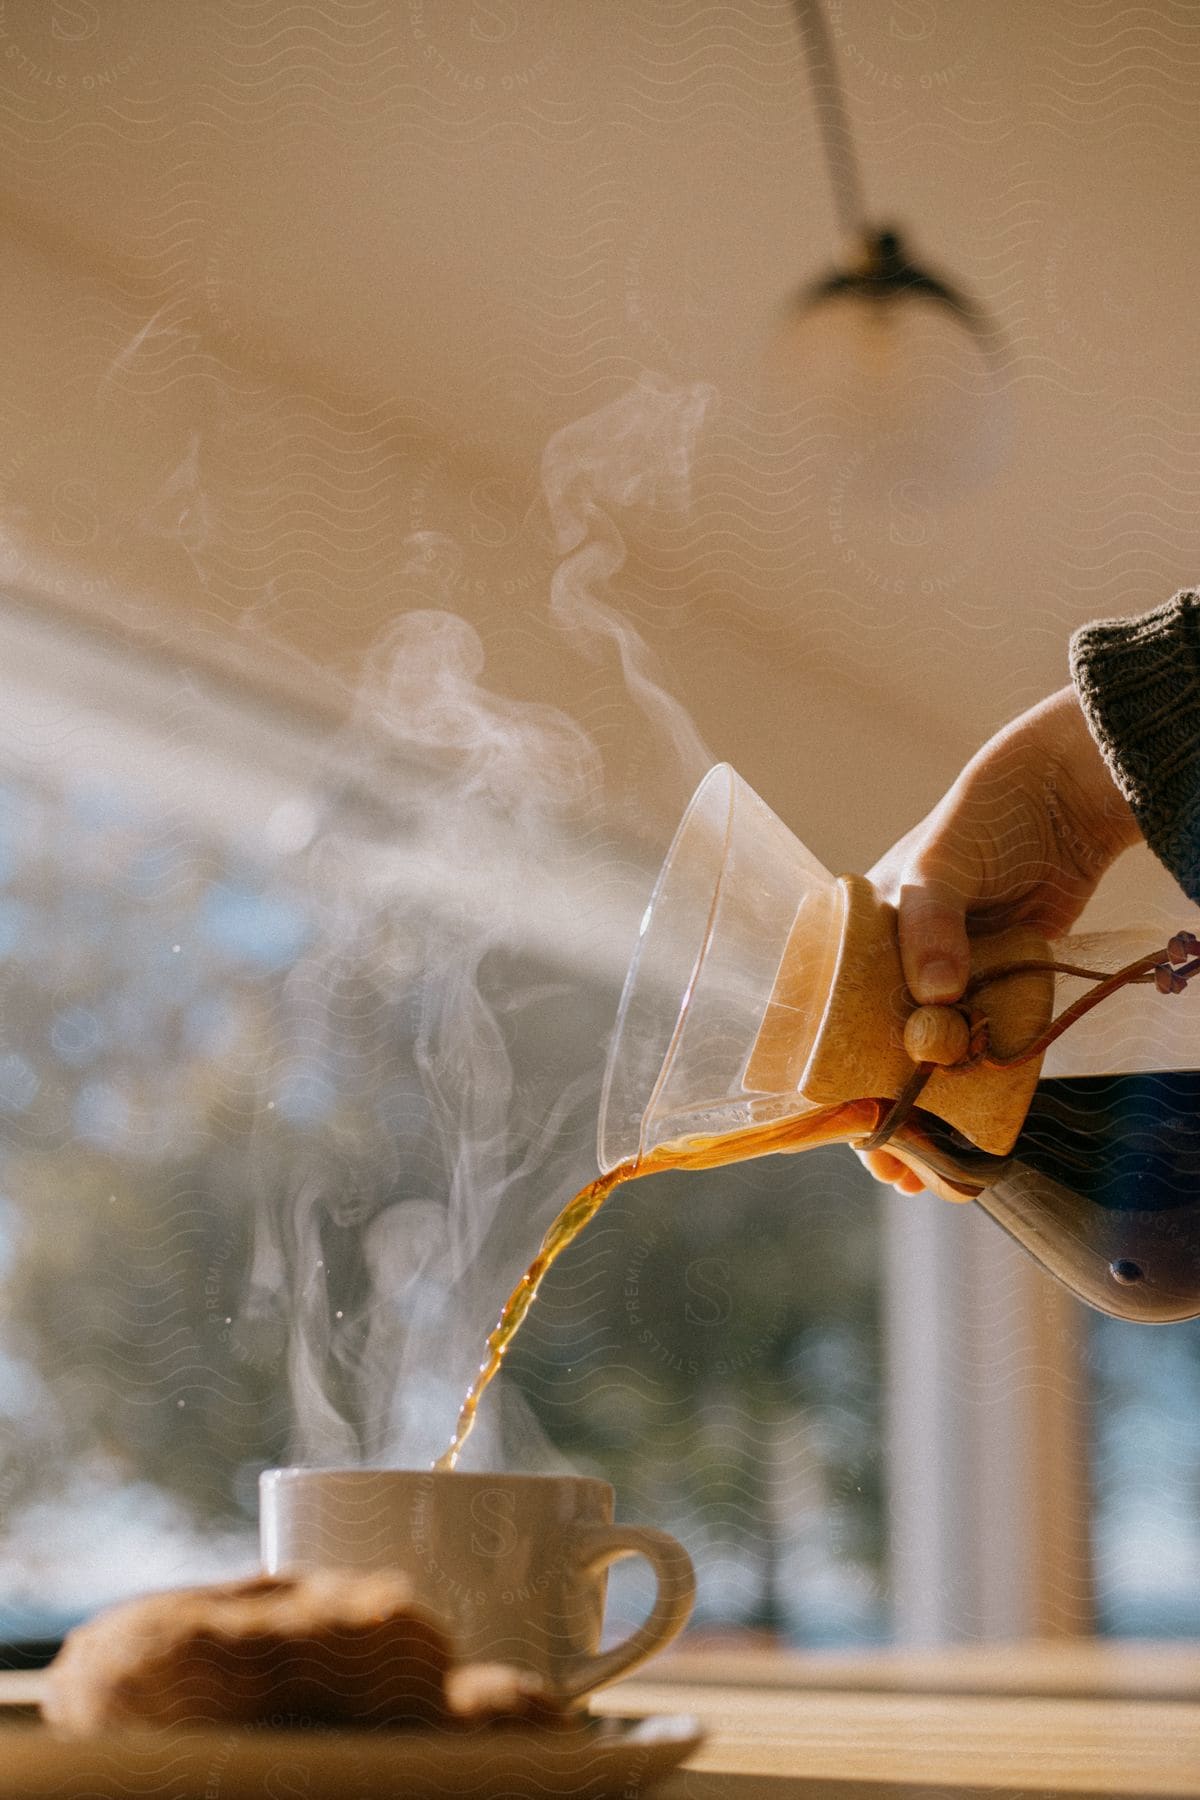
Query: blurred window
1146	1477
244	1088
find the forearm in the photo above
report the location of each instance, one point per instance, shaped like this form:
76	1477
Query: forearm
1090	818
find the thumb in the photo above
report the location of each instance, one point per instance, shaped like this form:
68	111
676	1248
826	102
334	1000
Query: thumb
933	943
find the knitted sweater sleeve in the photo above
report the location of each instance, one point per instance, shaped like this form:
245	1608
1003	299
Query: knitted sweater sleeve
1138	682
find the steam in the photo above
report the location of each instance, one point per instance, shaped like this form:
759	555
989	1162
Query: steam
179	512
636	451
444	992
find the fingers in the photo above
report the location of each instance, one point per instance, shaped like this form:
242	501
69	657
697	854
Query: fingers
891	1171
933	943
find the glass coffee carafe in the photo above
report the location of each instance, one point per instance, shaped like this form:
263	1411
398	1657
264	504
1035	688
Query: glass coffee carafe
766	998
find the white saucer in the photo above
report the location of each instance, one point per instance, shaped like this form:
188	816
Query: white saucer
599	1757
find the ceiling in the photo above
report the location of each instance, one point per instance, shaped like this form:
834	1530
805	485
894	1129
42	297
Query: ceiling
291	287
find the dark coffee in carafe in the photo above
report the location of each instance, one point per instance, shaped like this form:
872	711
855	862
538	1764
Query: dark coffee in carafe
1102	1186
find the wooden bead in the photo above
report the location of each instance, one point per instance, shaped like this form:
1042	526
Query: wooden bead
936	1034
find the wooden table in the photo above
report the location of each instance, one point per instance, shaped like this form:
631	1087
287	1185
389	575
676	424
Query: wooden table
1095	1668
1021	1722
1027	1720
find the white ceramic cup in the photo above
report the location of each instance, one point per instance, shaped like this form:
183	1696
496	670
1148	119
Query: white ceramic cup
514	1565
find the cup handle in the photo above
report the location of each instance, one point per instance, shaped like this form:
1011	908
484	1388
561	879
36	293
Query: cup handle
600	1545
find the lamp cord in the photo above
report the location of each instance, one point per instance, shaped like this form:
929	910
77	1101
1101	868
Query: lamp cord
841	156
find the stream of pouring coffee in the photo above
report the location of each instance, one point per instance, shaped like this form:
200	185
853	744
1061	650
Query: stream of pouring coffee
833	1124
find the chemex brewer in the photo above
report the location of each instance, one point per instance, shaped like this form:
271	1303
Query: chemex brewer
765	1010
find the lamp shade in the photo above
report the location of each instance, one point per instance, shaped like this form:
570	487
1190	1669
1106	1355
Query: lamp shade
885	365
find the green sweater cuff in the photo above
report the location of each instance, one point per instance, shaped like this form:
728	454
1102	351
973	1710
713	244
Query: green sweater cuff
1138	682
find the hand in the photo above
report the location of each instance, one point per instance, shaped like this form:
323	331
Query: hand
1022	837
